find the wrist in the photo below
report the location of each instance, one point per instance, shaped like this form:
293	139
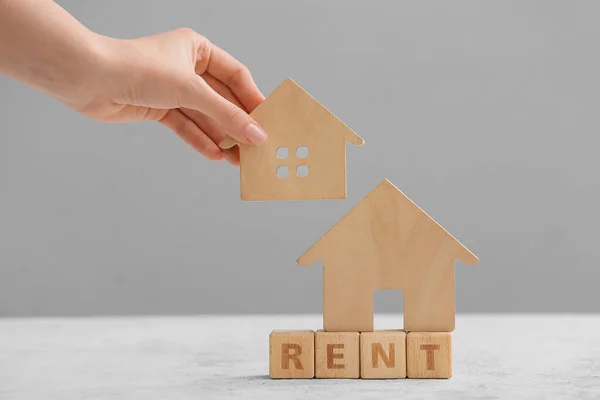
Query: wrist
114	71
94	73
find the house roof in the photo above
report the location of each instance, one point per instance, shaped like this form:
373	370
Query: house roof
315	252
289	87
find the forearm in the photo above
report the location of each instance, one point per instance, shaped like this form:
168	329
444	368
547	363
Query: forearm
44	47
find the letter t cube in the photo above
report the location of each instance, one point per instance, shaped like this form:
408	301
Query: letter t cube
429	355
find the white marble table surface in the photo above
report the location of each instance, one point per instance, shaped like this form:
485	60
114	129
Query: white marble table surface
172	358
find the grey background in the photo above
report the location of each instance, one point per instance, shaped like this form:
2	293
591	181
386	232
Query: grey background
485	114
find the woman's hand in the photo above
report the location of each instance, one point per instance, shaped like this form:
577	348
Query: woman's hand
183	81
177	78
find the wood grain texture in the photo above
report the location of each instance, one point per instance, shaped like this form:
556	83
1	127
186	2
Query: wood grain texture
387	242
429	354
292	354
383	355
337	354
292	118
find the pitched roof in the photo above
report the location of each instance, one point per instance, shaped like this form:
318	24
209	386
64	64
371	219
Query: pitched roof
313	253
290	87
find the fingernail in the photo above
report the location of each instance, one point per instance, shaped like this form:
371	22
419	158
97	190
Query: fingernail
255	134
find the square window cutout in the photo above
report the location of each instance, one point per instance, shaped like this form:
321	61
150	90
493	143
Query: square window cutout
283	152
283	171
302	152
302	171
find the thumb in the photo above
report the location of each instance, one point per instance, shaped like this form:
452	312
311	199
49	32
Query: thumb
235	121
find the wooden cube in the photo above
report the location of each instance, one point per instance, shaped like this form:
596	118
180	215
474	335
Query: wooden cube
383	355
292	354
429	354
337	354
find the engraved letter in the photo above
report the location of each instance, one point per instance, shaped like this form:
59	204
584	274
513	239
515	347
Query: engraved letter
287	355
331	356
430	348
377	351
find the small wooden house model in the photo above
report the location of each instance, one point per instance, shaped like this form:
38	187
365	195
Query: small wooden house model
304	157
387	242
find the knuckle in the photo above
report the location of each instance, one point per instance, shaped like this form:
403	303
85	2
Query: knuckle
203	54
237	77
183	127
201	147
205	148
234	114
187	32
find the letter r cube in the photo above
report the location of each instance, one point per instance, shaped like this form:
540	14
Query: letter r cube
292	354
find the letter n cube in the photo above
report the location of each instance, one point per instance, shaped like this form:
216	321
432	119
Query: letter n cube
383	355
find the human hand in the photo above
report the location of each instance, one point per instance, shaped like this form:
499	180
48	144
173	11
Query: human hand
180	79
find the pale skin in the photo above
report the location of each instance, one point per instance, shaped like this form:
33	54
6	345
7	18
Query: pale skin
178	78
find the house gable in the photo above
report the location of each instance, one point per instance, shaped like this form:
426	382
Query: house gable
387	225
289	101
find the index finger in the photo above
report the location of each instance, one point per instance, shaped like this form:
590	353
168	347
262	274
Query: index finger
235	75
